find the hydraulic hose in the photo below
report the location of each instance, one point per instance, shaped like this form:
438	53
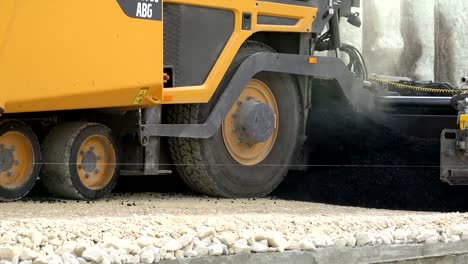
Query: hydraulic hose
356	61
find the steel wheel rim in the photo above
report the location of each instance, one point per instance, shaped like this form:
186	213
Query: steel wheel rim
96	162
17	160
243	153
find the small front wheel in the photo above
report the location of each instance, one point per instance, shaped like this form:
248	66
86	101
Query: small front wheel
81	161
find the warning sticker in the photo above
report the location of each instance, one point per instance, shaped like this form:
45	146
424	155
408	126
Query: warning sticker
140	96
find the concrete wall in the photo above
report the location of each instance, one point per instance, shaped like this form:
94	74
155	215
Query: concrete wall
451	33
382	41
421	39
417	30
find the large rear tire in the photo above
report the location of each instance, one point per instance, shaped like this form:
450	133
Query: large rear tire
220	166
81	161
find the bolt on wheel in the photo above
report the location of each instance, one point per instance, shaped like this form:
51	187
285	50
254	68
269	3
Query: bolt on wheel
19	160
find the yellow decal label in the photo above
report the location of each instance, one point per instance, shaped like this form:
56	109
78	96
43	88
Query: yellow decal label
140	96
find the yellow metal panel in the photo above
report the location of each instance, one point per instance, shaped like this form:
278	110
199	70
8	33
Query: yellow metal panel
64	54
203	93
463	121
69	54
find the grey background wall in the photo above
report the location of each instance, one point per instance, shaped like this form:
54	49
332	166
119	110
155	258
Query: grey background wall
421	39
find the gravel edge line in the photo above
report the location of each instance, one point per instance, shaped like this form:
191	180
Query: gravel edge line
364	255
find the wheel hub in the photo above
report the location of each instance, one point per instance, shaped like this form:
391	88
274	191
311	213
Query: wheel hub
251	126
96	162
16	160
7	159
253	122
89	161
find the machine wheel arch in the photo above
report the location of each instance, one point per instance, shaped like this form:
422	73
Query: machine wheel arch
194	157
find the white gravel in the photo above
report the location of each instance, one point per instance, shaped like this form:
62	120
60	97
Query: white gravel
159	228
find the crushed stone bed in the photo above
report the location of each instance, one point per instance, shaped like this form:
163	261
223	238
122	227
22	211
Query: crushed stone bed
150	228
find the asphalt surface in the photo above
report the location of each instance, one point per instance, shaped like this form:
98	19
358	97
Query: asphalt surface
360	163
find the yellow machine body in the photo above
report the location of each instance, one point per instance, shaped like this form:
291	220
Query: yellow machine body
88	54
58	55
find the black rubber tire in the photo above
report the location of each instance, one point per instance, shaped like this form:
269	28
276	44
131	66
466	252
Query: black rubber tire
60	150
206	165
6	126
